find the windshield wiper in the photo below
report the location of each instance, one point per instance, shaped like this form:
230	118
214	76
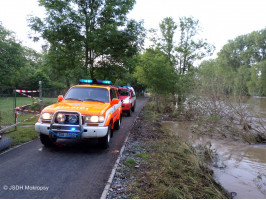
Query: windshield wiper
73	99
94	100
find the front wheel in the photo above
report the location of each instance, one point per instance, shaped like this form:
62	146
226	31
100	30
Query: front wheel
118	123
47	141
104	141
129	112
133	108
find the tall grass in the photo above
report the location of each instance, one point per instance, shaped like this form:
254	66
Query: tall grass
172	168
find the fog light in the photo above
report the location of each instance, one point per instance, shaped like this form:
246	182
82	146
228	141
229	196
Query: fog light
61	117
72	119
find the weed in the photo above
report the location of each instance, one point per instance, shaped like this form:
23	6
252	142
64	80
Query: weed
130	162
143	155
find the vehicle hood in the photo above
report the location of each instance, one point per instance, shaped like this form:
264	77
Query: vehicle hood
84	107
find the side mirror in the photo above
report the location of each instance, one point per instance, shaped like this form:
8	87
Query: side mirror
60	98
115	101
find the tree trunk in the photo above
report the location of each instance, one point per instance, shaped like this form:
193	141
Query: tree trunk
157	102
179	100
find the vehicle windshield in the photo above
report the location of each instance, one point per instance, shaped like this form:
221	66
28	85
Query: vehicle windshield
123	92
88	94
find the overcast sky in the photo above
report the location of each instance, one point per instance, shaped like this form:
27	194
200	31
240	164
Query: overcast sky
221	20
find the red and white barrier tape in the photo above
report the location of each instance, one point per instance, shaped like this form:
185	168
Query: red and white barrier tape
28	111
27	91
13	125
22	108
27	95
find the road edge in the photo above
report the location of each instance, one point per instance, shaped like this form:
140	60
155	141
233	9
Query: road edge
111	177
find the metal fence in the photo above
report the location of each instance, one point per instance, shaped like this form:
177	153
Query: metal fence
22	107
7	105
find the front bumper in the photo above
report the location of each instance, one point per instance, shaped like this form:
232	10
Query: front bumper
89	131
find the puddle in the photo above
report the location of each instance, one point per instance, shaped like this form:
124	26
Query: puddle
245	165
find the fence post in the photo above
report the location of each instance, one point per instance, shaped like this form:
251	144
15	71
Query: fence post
15	104
40	92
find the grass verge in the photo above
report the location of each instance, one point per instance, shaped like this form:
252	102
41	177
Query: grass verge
22	135
165	166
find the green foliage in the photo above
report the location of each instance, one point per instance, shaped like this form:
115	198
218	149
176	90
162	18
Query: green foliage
242	78
168	28
155	71
18	64
189	48
143	155
11	56
88	36
239	68
181	51
22	135
130	162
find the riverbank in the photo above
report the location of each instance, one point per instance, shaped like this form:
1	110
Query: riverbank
157	163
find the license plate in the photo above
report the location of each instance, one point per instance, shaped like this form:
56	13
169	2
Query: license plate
66	134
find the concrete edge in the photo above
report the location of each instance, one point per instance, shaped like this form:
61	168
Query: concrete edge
111	177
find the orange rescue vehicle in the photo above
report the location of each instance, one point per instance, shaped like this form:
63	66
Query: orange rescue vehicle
88	110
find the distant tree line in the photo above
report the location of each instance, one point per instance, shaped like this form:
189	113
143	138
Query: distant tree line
240	67
95	39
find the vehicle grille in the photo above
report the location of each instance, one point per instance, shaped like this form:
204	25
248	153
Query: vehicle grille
67	118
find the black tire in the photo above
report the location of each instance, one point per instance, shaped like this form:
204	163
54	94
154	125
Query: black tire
46	141
129	112
104	141
133	108
118	123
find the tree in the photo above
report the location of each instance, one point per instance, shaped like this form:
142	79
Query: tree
168	28
245	58
95	33
242	78
182	52
189	48
155	71
11	57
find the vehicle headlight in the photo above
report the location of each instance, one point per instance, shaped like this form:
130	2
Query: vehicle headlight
60	117
94	119
72	119
126	101
46	116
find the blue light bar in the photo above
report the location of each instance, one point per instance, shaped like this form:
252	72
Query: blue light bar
105	82
94	81
85	81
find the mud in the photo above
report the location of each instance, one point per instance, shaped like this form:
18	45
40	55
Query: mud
240	168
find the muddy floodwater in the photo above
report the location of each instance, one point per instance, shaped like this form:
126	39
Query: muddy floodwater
240	168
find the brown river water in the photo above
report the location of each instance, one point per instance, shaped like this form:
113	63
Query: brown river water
240	168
